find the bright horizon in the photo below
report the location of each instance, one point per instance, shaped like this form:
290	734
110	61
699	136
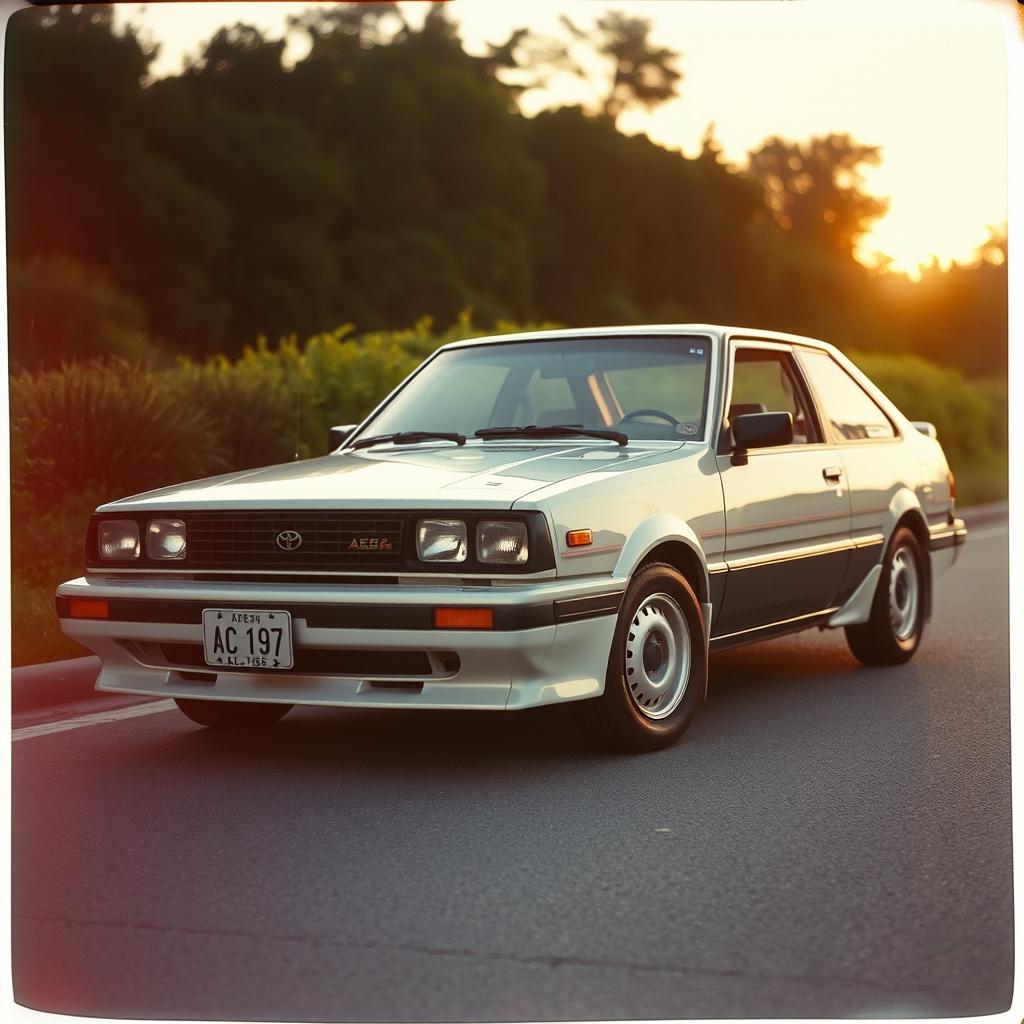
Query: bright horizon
924	81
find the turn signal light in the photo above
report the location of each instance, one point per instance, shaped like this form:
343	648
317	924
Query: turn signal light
88	608
579	538
464	618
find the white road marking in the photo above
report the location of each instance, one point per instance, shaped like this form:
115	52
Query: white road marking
100	718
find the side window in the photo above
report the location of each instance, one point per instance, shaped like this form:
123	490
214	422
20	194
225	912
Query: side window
854	415
765	380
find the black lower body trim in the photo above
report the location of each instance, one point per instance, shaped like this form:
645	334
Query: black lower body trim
572	609
359	616
771	630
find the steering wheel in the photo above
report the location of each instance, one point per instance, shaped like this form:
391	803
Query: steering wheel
657	413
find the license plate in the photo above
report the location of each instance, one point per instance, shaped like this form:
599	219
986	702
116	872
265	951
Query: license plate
244	638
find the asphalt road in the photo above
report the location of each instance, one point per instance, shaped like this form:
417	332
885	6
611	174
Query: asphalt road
826	841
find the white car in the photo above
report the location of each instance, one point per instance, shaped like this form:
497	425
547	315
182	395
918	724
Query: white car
575	515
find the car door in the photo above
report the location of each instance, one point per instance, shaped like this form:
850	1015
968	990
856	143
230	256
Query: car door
876	461
787	508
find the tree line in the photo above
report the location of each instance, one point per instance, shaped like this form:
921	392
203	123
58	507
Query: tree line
389	174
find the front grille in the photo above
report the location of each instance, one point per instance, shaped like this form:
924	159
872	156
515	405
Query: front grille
267	541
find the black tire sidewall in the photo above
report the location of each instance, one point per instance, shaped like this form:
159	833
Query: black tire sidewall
635	728
902	538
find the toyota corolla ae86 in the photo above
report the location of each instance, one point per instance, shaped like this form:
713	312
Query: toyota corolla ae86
569	516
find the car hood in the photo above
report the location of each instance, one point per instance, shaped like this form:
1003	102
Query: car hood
482	475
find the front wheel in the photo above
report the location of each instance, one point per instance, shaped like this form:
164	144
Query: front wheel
893	633
657	668
226	714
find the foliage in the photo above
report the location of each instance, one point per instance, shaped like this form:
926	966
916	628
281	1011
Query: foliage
814	189
60	310
970	425
110	427
642	74
239	198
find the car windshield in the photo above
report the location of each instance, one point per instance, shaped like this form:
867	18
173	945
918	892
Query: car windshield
649	388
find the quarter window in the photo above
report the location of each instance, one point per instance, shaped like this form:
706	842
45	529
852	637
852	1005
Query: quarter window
854	415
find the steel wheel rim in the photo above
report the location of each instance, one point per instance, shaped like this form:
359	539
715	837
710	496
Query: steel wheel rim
657	656
904	593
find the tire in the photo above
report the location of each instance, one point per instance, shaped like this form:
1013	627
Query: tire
226	714
893	633
657	666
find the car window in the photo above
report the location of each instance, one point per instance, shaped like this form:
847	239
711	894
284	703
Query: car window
853	413
765	380
546	400
650	388
674	389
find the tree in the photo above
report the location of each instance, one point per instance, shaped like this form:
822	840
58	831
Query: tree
815	188
642	74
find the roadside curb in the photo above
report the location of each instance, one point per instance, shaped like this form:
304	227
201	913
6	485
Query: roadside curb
37	687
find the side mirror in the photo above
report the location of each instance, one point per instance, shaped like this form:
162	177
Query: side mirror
760	430
339	435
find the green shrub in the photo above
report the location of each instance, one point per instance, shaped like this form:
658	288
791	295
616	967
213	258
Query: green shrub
965	418
62	310
107	427
252	405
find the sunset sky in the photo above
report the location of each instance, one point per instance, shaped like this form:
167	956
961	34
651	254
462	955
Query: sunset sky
926	81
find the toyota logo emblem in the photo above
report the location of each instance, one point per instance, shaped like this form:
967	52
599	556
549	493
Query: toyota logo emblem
289	540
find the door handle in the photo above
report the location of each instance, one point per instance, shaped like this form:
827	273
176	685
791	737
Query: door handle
833	474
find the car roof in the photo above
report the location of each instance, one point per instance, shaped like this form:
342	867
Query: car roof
716	331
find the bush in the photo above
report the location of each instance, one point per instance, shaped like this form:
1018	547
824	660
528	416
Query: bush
106	427
967	421
252	405
61	310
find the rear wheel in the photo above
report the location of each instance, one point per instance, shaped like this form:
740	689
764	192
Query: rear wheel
657	668
225	714
893	633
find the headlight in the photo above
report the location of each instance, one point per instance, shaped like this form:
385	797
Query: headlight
501	541
165	538
441	540
118	538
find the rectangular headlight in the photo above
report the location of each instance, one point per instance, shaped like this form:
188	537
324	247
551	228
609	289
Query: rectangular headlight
118	539
441	540
165	538
501	542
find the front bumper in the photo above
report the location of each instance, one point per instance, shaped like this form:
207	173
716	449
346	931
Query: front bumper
361	646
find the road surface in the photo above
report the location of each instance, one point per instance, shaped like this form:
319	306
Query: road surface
826	841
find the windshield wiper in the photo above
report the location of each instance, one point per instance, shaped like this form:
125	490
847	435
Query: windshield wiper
554	430
408	437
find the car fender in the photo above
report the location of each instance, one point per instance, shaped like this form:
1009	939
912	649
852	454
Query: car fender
656	530
857	608
904	501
